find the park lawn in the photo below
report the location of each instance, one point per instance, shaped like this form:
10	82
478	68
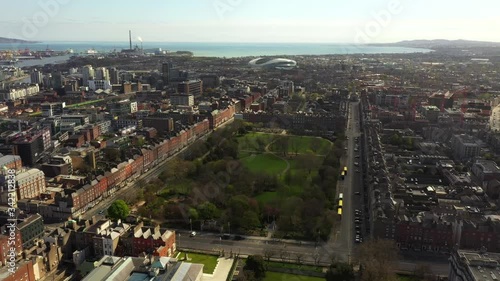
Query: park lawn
208	261
249	142
275	276
304	144
267	197
181	186
264	163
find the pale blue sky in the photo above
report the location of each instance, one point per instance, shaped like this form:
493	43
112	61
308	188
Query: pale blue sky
251	20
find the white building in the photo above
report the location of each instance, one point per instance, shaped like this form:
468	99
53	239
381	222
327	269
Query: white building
182	99
101	73
88	74
99	84
20	92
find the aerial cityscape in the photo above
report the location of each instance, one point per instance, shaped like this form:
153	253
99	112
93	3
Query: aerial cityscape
249	141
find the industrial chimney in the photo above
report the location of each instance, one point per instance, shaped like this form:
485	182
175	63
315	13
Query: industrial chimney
130	38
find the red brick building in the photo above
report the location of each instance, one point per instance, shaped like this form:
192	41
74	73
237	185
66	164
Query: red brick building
24	272
152	240
10	162
4	246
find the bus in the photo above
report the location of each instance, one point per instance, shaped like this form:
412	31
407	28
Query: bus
345	170
340	203
339	212
341	196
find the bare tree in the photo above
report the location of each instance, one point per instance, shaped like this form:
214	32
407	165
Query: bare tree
284	255
299	257
378	258
269	253
316	258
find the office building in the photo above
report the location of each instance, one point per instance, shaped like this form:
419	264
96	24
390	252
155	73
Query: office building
30	149
182	99
191	87
114	76
123	107
95	85
464	147
165	70
30	184
88	73
101	73
31	229
36	77
52	109
57	80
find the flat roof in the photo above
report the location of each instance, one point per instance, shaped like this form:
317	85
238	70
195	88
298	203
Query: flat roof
483	266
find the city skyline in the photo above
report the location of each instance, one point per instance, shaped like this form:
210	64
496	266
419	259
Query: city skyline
316	21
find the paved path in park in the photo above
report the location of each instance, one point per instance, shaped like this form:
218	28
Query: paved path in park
221	270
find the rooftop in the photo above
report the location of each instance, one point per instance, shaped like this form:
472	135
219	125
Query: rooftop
488	166
482	265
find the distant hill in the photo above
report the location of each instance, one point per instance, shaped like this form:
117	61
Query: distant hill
4	40
442	43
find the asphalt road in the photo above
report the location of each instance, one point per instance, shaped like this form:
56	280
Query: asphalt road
343	245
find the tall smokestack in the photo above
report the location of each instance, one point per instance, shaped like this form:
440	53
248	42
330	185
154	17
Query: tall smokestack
130	38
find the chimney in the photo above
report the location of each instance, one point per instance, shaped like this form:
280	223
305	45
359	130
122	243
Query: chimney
130	38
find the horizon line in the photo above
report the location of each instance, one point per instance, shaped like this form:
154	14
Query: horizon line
244	42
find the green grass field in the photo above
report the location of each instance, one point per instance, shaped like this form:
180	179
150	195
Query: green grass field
254	142
296	144
267	197
275	276
302	144
264	163
252	153
208	261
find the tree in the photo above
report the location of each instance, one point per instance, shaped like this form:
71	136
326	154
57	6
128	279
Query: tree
340	272
255	264
299	256
396	140
377	258
269	253
284	255
118	210
193	214
207	211
308	161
